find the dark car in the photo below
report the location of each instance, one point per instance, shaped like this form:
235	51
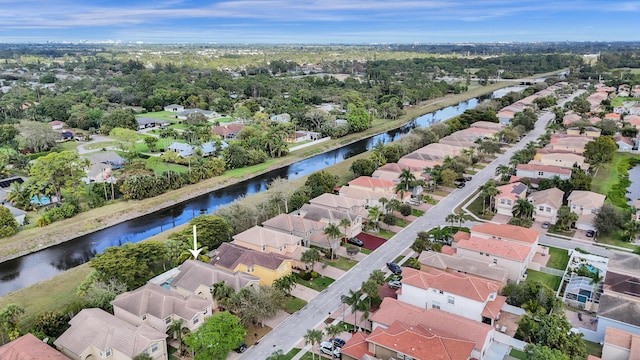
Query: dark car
395	268
337	342
546	224
241	348
460	185
355	241
590	233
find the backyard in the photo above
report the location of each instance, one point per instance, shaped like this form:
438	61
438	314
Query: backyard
552	281
558	258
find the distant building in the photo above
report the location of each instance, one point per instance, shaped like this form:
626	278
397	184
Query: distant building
174	108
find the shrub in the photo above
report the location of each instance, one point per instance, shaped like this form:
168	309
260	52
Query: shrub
305	275
389	219
314	274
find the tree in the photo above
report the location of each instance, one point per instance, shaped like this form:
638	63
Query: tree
565	217
222	293
608	219
219	334
253	305
374	217
541	352
8	224
122	118
313	336
10	321
523	209
357	118
152	142
37	136
332	331
281	192
320	182
353	299
405	210
100	293
333	233
127	138
310	256
55	172
132	264
345	223
362	167
600	150
488	190
352	250
285	283
407	179
177	330
212	230
19	196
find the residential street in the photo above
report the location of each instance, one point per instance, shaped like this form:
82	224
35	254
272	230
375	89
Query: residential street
288	334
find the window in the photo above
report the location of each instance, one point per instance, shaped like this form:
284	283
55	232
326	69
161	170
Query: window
435	305
441	292
594	211
451	300
250	269
502	201
495	261
487	254
548	209
400	355
154	348
481	253
541	208
195	319
540	173
167	321
144	317
105	354
508	202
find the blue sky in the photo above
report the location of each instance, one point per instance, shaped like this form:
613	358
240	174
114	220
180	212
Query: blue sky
318	21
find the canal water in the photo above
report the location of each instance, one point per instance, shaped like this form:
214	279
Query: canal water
32	268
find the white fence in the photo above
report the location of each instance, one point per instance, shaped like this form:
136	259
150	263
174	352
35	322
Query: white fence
508	340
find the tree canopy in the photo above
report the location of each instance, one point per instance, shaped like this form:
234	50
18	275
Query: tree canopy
220	333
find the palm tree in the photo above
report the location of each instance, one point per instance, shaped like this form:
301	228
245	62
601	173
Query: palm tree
384	201
377	276
407	179
176	330
490	190
345	223
285	283
332	331
310	256
631	230
523	209
353	299
374	217
451	218
461	218
222	293
504	171
333	233
19	196
312	337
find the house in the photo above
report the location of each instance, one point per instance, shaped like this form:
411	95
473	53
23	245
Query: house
457	263
420	160
182	115
102	164
227	131
147	122
437	151
546	204
505	116
570	119
403	341
174	108
574	144
311	231
465	295
487	125
539	171
268	241
196	278
625	144
440	322
158	307
340	203
29	347
56	125
564	159
589	131
459	141
330	216
266	266
182	149
586	204
96	334
507	197
617	312
281	118
620	345
301	135
511	233
371	198
391	172
369	183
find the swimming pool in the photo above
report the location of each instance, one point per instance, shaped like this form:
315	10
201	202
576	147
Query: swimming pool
43	200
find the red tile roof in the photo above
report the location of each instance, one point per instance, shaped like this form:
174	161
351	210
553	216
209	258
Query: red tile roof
501	248
506	231
420	343
448	250
547	168
492	309
368	181
29	347
469	286
357	346
460	235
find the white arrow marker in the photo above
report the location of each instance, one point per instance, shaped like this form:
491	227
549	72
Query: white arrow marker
195	252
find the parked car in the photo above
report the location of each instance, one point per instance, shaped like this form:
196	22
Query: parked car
395	268
355	241
394	284
327	347
460	185
241	348
337	342
591	233
546	224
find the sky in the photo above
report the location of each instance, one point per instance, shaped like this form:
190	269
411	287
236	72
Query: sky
318	21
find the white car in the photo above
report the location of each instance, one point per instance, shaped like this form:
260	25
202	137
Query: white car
327	348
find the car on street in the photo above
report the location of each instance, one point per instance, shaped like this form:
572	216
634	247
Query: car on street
395	268
460	185
355	241
546	224
395	284
590	233
241	348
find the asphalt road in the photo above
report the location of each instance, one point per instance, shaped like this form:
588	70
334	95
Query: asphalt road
286	335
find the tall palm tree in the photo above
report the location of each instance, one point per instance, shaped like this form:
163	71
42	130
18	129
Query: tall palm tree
222	293
333	233
451	218
332	331
353	299
19	196
377	276
345	223
489	190
384	201
313	336
285	283
177	330
504	171
523	209
407	179
374	217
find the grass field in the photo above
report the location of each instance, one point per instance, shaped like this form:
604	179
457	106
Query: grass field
341	263
551	281
518	354
617	101
101	144
318	284
559	258
160	168
293	304
416	212
476	208
164	115
383	233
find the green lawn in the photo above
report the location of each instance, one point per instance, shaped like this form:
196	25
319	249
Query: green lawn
518	354
178	126
615	239
341	263
242	172
164	115
293	304
386	234
402	222
551	281
594	348
559	258
290	354
160	168
617	101
318	284
476	208
365	251
290	145
224	119
416	212
553	229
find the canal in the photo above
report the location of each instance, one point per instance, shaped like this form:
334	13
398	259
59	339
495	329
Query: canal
29	269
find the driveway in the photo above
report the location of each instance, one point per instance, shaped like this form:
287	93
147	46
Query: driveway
371	242
288	334
304	293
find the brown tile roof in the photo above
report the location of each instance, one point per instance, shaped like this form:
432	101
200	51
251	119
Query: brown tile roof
621	283
440	322
551	196
506	231
397	168
420	343
289	223
159	302
457	262
101	330
193	274
492	309
487	125
319	213
623	339
260	236
224	130
336	201
545	168
461	235
501	248
619	309
29	347
229	256
468	286
586	199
